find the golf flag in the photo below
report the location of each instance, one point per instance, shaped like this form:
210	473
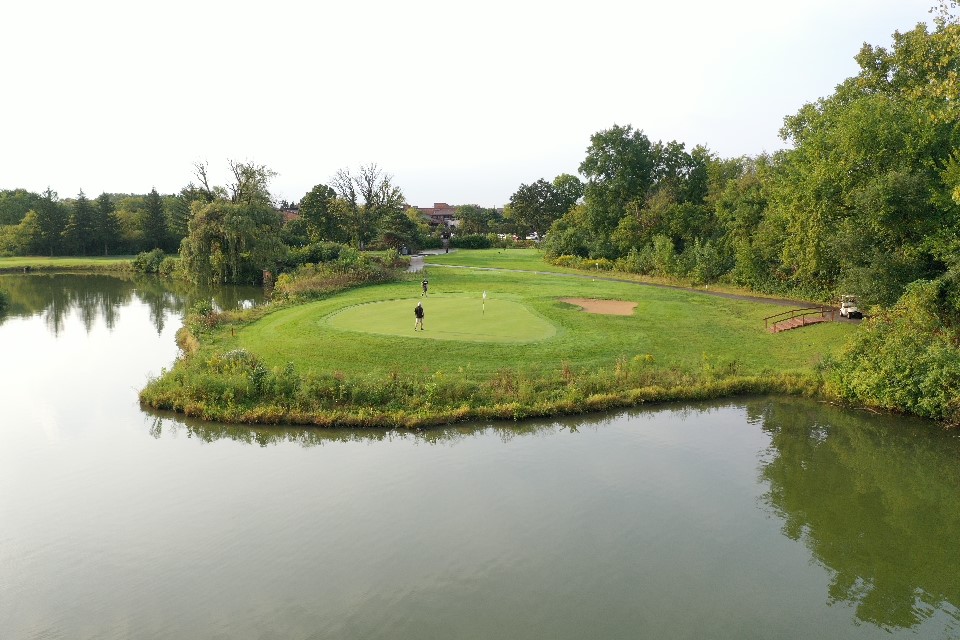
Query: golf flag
484	304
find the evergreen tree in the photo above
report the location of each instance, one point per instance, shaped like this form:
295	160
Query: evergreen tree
106	226
78	234
178	216
155	223
51	221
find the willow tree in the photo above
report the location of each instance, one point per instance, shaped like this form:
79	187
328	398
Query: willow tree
235	236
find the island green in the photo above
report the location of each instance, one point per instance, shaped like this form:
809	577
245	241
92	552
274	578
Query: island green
354	358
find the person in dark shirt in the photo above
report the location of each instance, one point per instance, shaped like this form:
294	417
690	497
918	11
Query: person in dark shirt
418	313
425	283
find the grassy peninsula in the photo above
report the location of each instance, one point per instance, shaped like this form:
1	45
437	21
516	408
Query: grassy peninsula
353	358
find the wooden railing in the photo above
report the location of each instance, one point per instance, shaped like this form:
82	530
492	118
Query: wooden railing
821	311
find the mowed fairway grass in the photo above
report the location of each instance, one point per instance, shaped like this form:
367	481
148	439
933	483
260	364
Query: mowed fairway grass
452	317
75	263
521	259
527	329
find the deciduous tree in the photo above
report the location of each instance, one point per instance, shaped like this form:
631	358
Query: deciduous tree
364	200
236	236
318	209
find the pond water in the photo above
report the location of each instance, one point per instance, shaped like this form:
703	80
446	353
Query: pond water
753	518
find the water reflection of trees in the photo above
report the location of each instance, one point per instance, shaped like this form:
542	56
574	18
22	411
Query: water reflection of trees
875	499
99	296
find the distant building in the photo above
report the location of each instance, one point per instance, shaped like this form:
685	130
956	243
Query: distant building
290	212
440	213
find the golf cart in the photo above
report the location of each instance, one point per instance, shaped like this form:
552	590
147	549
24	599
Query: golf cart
849	308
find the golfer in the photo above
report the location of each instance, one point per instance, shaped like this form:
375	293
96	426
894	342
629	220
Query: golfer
425	283
418	313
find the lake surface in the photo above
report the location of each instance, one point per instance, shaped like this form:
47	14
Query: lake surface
754	518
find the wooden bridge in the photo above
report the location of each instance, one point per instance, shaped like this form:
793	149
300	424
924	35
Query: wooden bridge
796	318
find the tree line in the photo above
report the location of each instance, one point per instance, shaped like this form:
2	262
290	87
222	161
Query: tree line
866	200
230	232
111	224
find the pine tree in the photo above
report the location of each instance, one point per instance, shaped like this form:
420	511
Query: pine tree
155	223
51	220
178	216
106	226
78	234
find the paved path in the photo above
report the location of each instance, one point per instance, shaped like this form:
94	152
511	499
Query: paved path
416	260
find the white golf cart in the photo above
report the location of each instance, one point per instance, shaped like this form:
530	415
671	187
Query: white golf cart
849	308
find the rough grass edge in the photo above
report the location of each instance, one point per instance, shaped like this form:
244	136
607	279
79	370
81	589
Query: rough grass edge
373	417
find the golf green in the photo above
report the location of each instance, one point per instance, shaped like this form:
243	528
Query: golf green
447	318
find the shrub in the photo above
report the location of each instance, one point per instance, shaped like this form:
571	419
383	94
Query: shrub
149	261
471	241
169	266
316	252
663	256
904	358
566	261
635	261
350	269
704	262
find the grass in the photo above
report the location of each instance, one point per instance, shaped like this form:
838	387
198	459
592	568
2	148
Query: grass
679	329
454	317
69	263
522	259
353	358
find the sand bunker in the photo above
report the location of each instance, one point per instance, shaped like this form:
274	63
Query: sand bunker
606	307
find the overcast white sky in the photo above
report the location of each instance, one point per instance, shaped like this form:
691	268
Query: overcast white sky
460	103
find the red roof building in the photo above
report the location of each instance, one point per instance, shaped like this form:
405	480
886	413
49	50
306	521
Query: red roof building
439	213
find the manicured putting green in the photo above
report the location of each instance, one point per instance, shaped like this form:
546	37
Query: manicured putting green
447	318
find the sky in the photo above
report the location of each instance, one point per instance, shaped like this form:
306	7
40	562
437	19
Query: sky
457	102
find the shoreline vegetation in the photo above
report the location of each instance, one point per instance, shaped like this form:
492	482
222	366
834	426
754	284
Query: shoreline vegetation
285	364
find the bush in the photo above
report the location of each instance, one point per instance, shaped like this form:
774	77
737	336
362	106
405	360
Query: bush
904	358
316	252
350	269
168	266
431	242
149	261
704	263
636	261
664	257
586	264
571	262
471	241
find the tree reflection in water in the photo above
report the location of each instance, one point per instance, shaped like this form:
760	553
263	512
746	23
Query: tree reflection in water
876	500
94	296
